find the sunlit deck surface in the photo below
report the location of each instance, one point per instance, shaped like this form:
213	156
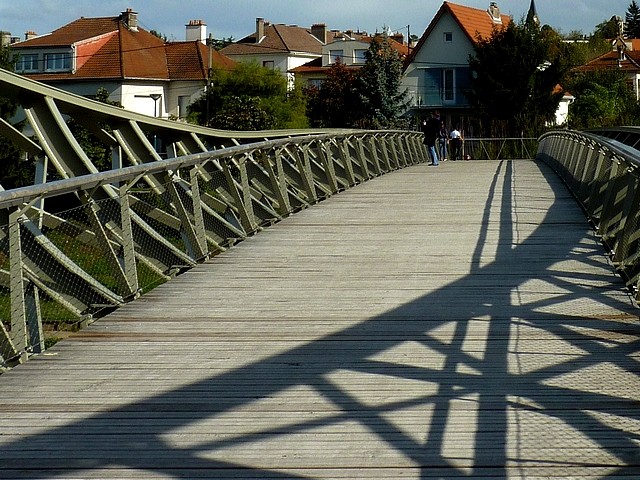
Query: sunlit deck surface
460	321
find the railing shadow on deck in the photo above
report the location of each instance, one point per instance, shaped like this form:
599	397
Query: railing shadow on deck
489	385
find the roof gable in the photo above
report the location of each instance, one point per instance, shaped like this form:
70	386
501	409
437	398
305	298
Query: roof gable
107	49
630	62
277	39
190	60
473	22
71	33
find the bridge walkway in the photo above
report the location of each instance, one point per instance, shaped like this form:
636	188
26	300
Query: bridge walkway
453	322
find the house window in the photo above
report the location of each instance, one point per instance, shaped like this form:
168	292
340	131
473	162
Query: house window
315	82
55	62
269	64
27	63
448	84
183	104
336	56
448	37
360	55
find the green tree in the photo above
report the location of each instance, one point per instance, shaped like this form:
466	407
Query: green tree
382	101
249	97
220	43
369	97
632	21
14	172
333	103
607	29
514	73
604	98
97	151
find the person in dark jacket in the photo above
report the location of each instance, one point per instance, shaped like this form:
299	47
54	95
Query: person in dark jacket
431	129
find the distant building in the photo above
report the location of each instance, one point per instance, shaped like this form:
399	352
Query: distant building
623	57
140	71
437	71
280	47
348	48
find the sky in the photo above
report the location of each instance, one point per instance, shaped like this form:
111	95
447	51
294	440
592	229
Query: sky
236	18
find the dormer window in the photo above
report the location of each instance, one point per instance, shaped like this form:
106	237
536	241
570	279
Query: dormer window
57	62
336	56
359	55
27	62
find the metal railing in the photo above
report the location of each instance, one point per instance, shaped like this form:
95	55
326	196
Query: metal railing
499	148
136	227
604	175
78	247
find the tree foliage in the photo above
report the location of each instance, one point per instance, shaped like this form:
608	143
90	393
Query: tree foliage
607	29
13	171
333	103
249	97
97	151
514	74
369	97
632	21
604	98
382	102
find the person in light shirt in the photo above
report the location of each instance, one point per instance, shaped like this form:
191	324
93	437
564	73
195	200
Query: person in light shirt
456	143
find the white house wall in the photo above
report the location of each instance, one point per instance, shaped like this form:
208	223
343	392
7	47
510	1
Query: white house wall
436	53
191	89
137	98
348	48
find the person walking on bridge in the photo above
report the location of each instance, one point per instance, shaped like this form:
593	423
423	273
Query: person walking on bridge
456	143
431	129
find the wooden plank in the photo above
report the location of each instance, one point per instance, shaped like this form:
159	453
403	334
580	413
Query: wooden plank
459	322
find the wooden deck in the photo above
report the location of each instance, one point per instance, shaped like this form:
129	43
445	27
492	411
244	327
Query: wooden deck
451	322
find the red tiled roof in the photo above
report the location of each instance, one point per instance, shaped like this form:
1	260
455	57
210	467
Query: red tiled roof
107	49
610	61
277	39
401	48
315	66
190	60
473	22
73	32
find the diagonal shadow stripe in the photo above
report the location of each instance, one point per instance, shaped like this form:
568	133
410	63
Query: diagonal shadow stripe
464	383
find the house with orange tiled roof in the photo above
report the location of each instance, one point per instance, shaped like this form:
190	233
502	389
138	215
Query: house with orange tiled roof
141	72
437	71
279	47
623	57
348	48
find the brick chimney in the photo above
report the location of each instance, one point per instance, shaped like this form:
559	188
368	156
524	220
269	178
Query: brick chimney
28	35
494	12
259	29
319	30
130	19
196	31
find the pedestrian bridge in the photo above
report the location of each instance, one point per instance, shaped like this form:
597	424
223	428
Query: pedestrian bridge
464	321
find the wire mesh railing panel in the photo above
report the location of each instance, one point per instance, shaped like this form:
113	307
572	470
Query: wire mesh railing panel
498	148
606	181
131	229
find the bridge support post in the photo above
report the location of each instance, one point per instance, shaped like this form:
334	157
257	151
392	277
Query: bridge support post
362	159
345	156
326	158
199	230
128	249
374	155
26	320
243	200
